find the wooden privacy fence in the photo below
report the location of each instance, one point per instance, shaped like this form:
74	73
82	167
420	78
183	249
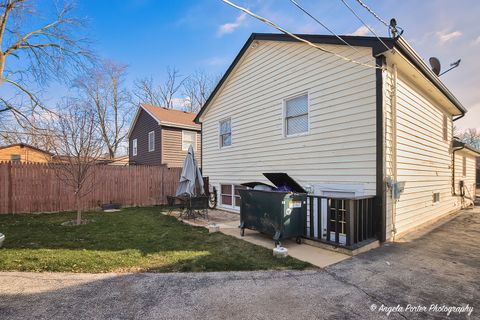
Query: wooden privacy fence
28	188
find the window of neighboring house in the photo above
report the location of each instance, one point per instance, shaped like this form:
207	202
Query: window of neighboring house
134	147
436	197
464	166
151	141
225	133
15	158
189	138
296	115
445	128
230	195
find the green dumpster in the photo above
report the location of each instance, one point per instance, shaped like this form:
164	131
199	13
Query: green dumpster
280	212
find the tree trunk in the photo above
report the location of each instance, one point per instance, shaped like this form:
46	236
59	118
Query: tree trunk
79	210
2	67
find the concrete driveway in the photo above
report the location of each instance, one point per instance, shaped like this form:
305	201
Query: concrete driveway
441	268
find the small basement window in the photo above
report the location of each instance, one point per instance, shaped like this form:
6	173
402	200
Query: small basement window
230	195
296	115
151	141
189	139
436	197
225	133
134	147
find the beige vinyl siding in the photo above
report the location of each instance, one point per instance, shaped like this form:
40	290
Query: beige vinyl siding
26	154
172	153
424	159
340	145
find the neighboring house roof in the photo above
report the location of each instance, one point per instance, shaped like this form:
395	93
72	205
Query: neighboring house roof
118	161
168	117
23	145
457	144
373	42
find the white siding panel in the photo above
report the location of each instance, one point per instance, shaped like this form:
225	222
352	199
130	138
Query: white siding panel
424	159
340	145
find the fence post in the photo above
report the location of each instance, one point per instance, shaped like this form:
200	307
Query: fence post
350	216
10	188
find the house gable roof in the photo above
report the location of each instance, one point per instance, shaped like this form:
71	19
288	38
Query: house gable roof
167	117
360	41
23	145
457	144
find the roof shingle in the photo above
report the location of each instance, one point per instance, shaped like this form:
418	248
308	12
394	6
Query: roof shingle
171	117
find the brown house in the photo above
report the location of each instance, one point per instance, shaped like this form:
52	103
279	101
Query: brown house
23	153
162	136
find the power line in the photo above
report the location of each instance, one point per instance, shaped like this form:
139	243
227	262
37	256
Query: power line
373	13
366	25
322	24
297	37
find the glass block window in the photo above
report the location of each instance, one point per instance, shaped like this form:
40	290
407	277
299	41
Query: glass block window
188	139
296	115
225	133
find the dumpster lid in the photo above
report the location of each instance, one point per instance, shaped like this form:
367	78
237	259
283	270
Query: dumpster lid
255	183
281	179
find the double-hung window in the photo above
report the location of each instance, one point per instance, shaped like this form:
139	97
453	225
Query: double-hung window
296	115
134	147
151	141
225	133
188	139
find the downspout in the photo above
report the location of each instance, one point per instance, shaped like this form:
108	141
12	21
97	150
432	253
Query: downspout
201	147
393	102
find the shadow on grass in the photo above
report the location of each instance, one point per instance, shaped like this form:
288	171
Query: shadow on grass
136	239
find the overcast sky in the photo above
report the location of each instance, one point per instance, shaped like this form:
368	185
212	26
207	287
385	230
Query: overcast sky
150	35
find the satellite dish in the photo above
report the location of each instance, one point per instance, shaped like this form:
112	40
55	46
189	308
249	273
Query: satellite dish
435	64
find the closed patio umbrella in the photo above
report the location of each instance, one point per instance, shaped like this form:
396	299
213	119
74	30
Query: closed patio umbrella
191	180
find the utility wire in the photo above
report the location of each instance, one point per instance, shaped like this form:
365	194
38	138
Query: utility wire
322	24
373	13
297	37
366	25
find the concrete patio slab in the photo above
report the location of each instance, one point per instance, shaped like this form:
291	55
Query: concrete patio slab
229	222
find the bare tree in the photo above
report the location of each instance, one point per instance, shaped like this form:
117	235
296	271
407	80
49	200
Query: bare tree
196	89
77	148
146	92
104	92
40	49
162	95
471	137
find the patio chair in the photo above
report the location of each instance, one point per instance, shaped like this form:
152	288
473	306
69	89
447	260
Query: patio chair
197	206
176	203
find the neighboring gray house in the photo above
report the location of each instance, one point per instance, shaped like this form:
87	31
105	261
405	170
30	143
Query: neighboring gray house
160	136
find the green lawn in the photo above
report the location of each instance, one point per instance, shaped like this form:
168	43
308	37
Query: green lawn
136	239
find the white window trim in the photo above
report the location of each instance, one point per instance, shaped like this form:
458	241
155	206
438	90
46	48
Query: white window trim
194	139
284	115
219	135
134	147
151	134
